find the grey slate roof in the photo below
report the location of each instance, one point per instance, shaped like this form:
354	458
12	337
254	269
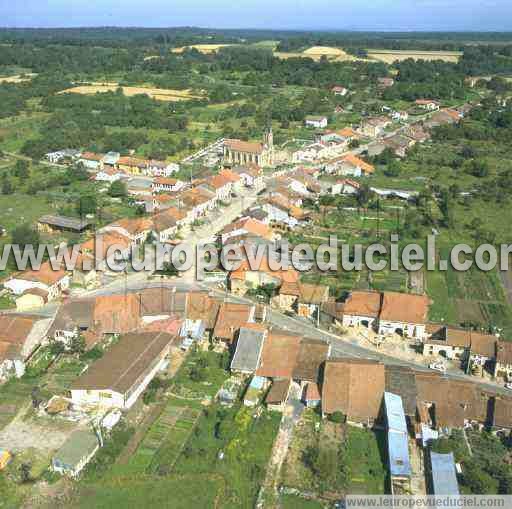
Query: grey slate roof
444	477
79	444
75	314
68	223
402	381
248	350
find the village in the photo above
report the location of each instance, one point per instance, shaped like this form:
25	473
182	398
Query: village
84	352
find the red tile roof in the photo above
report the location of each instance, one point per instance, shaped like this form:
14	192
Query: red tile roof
354	387
279	355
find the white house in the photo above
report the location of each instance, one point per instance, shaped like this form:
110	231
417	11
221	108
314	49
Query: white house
20	335
349	165
427	104
404	314
167	184
124	371
318	122
339	90
59	155
54	282
91	161
251	176
109	175
276	214
345	186
161	168
361	309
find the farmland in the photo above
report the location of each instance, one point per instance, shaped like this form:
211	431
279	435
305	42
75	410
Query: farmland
160	94
202	48
16	79
390	56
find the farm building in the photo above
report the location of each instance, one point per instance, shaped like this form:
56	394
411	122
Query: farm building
443	474
51	224
124	371
75	453
398	446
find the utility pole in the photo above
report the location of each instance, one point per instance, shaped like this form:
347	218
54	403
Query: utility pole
378	217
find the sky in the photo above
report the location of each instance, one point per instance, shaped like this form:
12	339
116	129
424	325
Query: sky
385	15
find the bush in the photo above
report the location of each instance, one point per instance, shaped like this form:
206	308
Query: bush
337	417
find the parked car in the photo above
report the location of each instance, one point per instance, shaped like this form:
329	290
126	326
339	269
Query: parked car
438	366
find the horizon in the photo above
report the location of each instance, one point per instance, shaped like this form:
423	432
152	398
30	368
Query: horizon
377	16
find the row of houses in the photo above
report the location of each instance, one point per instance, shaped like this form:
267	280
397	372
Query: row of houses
406	315
477	351
114	162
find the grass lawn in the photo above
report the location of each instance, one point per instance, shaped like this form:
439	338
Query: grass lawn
150	492
295	502
365	459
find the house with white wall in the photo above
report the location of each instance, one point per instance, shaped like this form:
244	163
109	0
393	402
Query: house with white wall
117	379
54	282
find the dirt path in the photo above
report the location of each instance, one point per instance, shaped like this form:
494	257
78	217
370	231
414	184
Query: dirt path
506	280
417	282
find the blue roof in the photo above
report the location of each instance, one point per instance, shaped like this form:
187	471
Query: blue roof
257	382
395	414
444	476
193	328
398	452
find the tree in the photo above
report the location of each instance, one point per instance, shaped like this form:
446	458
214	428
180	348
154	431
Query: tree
118	189
86	204
56	348
7	187
77	344
25	235
478	481
25	472
21	169
337	417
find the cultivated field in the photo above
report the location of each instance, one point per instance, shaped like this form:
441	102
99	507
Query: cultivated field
202	48
390	56
317	52
16	79
160	94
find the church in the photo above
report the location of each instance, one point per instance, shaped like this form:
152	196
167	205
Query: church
244	152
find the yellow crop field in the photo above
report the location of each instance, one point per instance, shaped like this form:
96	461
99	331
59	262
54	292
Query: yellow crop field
390	56
160	94
203	48
317	52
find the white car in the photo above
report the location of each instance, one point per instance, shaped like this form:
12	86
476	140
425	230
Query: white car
508	385
438	366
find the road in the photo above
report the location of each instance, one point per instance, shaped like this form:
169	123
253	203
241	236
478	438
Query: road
340	346
347	346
